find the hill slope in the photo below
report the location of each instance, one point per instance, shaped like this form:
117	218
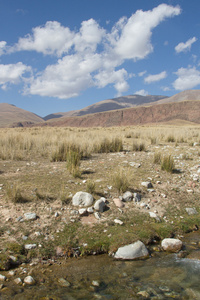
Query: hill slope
10	114
107	105
185	111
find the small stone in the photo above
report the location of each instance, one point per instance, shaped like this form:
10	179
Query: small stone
30	216
64	282
118	202
2	277
90	210
117	221
18	281
100	205
154	216
30	246
191	211
29	280
144	294
97	215
147	184
11	273
56	214
137	197
95	283
171	245
127	196
82	211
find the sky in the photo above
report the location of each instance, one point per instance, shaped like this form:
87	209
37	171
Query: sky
63	55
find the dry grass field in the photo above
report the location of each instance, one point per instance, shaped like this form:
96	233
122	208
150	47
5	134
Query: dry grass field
42	168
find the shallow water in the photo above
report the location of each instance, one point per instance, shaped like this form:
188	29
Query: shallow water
161	277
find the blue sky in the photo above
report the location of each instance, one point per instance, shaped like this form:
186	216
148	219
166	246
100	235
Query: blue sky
63	55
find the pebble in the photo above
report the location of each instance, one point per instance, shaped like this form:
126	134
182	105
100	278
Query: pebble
117	221
2	277
29	280
30	246
64	282
18	281
95	283
97	215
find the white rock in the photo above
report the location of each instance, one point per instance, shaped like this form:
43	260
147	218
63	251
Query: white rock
82	211
95	283
127	196
90	210
2	277
30	246
30	216
171	245
117	221
29	280
97	215
132	251
18	281
191	211
154	216
147	184
100	205
82	199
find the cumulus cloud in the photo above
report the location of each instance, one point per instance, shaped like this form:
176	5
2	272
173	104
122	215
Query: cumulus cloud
142	93
188	78
156	77
12	73
91	56
132	37
184	47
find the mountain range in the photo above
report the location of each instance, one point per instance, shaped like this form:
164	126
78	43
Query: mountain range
126	110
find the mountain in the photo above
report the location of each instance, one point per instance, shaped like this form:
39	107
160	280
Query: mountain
181	112
10	116
110	104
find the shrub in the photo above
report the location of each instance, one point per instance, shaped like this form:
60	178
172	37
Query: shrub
120	181
90	188
170	139
157	158
107	146
139	147
13	193
167	164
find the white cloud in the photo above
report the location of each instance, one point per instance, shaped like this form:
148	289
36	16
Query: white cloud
91	56
2	47
49	39
156	77
131	38
12	73
142	93
183	47
142	73
188	78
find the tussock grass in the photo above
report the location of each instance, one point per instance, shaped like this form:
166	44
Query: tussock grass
167	164
13	193
121	180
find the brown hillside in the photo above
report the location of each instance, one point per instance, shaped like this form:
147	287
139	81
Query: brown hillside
186	111
10	114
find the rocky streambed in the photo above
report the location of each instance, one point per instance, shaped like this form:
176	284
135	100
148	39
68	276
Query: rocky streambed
162	276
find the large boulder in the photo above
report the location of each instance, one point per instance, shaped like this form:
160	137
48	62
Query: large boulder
171	245
133	251
82	199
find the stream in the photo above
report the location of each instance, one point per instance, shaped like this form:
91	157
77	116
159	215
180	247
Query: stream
163	276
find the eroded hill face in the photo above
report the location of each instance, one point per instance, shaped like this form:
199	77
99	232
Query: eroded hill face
10	114
185	111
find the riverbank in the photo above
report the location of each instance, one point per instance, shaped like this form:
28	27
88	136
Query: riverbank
135	196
